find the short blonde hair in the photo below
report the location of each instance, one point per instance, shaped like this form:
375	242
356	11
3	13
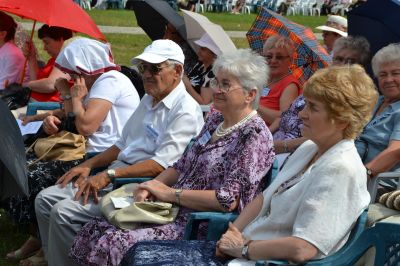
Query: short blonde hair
347	92
277	41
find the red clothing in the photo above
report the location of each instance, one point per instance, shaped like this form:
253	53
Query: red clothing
41	74
271	99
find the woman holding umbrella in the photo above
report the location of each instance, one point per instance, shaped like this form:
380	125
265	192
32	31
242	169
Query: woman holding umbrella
283	87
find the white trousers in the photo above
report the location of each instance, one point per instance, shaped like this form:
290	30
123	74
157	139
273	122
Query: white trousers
60	218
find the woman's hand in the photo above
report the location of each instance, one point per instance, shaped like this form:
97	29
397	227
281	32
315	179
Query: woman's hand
141	195
50	124
29	50
159	190
232	242
62	86
79	90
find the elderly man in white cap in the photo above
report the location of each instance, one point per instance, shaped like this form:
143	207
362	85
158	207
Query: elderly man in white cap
154	137
197	80
334	28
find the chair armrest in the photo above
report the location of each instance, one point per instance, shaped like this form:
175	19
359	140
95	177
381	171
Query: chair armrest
33	107
217	224
117	182
374	182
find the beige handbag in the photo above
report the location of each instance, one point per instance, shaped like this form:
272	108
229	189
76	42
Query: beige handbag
138	212
62	146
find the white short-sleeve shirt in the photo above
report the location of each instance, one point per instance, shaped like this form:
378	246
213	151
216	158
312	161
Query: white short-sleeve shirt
322	207
161	132
116	88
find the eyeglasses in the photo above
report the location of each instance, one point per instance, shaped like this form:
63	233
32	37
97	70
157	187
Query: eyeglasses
269	57
225	87
152	68
343	60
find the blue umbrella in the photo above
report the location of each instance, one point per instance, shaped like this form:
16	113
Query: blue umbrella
378	21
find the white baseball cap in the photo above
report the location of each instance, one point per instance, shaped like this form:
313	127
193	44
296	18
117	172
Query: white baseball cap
336	24
86	56
159	51
206	41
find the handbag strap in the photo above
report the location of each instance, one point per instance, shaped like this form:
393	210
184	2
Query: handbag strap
47	151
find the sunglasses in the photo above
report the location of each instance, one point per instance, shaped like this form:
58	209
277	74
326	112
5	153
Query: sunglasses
152	68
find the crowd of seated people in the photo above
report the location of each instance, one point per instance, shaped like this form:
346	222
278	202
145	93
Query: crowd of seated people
100	113
231	151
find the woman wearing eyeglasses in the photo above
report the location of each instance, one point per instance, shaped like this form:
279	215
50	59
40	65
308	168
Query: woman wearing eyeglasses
282	87
308	211
287	137
222	171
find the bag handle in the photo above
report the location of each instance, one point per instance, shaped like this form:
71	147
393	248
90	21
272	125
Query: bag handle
47	151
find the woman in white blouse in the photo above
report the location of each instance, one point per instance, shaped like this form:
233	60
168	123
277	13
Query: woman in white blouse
309	210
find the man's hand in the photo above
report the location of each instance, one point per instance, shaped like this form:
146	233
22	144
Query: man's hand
232	242
50	124
80	171
91	186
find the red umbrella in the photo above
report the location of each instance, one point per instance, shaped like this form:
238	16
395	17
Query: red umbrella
61	13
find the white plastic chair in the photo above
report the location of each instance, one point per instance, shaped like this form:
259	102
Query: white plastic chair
317	9
85	4
199	8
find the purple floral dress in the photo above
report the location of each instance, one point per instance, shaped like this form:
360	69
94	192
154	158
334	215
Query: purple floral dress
233	166
290	124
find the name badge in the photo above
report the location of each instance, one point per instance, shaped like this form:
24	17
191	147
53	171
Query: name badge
151	132
265	91
205	138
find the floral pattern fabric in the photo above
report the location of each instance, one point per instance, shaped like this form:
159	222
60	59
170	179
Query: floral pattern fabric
40	176
290	124
233	166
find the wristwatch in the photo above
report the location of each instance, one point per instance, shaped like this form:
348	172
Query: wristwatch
369	172
65	97
245	250
111	174
178	193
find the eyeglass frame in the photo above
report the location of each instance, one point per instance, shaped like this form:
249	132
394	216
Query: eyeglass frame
344	60
277	57
215	84
154	69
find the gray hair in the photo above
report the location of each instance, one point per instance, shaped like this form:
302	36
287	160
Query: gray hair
387	54
174	63
355	43
277	41
248	67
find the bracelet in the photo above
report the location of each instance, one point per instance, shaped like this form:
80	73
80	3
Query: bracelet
66	97
285	147
178	193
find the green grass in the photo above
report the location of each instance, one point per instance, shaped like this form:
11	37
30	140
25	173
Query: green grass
11	238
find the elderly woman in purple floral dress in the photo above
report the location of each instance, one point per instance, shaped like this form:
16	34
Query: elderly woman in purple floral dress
221	171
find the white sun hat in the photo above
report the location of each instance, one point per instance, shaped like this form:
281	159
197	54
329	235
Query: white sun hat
336	24
160	51
86	56
206	41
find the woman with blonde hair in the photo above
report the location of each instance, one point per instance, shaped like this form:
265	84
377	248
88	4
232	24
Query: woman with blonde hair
309	209
282	87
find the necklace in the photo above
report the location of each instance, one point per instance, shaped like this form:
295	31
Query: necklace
221	131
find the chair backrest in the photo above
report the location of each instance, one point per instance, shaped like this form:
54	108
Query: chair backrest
332	260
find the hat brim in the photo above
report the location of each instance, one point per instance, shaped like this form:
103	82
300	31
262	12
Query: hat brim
149	57
213	48
327	28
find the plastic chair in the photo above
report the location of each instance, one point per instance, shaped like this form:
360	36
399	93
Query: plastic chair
218	221
374	182
33	107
